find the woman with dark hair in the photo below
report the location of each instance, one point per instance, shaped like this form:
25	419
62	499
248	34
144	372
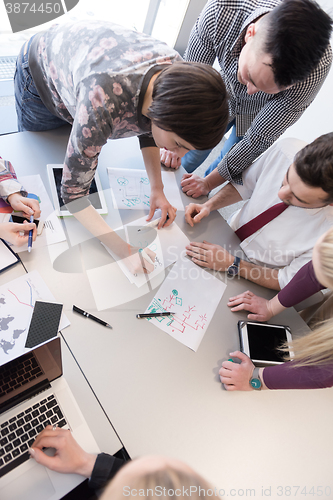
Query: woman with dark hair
109	82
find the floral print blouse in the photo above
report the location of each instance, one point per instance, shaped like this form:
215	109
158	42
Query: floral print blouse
94	76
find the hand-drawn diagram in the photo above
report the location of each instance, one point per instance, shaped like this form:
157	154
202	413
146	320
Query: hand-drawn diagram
189	318
168	244
131	188
193	295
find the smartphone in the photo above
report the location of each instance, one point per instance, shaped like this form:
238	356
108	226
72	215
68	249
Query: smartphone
261	342
18	219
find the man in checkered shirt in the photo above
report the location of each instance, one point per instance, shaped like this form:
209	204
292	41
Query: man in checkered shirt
274	57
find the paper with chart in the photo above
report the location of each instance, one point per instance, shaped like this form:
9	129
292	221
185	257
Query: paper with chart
168	244
130	189
193	294
52	228
17	299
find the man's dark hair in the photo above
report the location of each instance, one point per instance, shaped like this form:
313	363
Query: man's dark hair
190	99
297	35
314	164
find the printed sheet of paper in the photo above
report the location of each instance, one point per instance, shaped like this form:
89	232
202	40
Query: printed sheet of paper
7	258
52	230
17	299
131	188
168	244
193	294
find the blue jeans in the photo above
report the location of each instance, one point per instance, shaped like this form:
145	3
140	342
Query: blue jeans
31	113
232	139
193	159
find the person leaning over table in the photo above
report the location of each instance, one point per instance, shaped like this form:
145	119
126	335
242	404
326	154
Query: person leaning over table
134	478
312	367
314	276
110	82
289	198
274	56
13	193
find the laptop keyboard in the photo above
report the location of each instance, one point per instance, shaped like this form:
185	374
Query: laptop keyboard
18	372
19	432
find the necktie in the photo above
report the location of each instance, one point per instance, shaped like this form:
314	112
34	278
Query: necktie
260	221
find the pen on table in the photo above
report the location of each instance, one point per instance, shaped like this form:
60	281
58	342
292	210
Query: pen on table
153	223
154	315
90	316
30	235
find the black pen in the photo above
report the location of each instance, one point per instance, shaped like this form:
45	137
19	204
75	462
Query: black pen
87	315
154	315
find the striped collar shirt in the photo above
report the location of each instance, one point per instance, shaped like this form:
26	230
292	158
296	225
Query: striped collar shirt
261	118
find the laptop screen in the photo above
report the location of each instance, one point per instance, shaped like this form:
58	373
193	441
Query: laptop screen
26	375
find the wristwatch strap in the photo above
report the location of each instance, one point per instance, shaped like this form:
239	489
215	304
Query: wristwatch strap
255	375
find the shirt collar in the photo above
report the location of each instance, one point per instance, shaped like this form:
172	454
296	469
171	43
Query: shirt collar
238	44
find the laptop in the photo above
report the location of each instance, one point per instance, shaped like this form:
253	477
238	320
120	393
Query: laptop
33	394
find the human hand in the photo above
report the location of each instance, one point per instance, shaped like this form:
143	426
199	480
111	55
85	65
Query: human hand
17	234
236	376
158	200
248	301
209	255
22	204
69	457
194	186
170	159
194	212
137	263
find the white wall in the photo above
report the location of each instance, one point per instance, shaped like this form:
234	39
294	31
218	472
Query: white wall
318	118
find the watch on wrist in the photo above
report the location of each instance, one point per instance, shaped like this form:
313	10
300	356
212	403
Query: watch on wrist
255	381
233	270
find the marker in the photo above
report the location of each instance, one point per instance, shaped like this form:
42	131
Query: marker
154	315
30	235
153	223
90	316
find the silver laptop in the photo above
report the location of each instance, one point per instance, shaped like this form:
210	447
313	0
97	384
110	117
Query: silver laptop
33	394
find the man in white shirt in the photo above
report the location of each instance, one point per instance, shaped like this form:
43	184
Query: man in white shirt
300	177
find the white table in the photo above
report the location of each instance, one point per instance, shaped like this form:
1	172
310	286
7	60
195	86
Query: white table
160	396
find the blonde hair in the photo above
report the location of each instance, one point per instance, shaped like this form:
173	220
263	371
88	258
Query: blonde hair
325	251
168	482
316	348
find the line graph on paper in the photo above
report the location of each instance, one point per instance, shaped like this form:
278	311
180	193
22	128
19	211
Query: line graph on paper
17	300
193	295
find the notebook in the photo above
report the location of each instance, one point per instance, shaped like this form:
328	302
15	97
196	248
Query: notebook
33	394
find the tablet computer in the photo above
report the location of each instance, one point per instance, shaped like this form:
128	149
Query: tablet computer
96	195
261	342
